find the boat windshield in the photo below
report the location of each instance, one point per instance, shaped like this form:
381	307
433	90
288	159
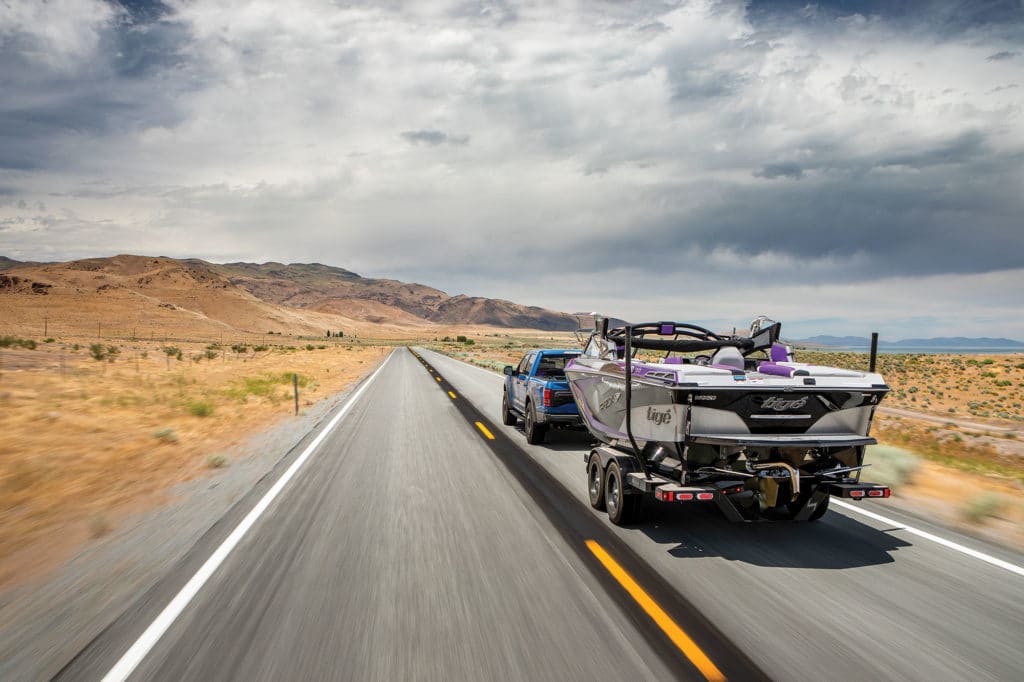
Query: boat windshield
553	366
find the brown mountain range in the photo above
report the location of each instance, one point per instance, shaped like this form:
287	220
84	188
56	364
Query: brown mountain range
153	293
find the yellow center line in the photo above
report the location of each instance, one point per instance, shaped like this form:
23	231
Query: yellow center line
438	378
451	394
490	436
657	614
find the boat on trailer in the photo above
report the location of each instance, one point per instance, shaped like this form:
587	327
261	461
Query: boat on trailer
686	414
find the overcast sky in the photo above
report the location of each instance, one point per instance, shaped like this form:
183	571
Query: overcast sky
844	166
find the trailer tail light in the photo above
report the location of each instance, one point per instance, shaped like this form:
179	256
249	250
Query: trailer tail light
879	492
548	395
675	496
856	493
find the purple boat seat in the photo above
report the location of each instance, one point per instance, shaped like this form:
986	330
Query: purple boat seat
781	370
780	353
673	361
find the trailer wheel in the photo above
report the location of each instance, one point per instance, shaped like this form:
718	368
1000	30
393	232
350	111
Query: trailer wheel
623	509
534	432
818	512
595	483
508	418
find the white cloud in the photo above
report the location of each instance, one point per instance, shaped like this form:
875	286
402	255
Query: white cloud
475	149
60	35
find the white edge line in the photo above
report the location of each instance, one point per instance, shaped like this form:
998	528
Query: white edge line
142	646
1013	568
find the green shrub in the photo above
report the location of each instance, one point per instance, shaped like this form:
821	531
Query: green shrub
97	351
210	354
310	346
166	435
200	408
49	340
890	465
99	525
240	348
9	341
983	506
216	461
265	386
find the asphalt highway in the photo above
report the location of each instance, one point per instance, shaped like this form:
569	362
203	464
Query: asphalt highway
417	538
401	549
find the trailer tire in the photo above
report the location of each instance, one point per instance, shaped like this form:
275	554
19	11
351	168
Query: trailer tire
818	512
534	432
623	509
595	483
508	418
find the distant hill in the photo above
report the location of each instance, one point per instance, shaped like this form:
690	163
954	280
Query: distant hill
10	264
938	342
333	289
149	293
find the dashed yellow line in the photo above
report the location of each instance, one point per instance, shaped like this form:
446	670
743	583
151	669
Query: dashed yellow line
490	436
452	394
657	614
438	378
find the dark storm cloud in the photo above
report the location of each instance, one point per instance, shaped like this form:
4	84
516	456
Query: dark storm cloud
964	148
941	18
1001	56
107	90
434	138
771	171
877	225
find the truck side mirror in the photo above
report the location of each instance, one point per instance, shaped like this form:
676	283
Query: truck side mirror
509	370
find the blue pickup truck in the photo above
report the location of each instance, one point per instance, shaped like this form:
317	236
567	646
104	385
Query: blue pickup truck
536	392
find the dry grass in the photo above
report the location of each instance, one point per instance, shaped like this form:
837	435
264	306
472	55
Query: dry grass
954	447
965	386
82	440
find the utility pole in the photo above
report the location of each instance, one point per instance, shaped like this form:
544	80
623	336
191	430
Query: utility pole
45	327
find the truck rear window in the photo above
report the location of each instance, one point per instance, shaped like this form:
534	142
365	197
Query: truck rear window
553	366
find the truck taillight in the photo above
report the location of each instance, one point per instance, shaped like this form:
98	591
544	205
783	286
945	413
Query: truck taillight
547	397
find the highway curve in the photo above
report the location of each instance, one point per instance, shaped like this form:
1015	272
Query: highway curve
403	547
846	597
